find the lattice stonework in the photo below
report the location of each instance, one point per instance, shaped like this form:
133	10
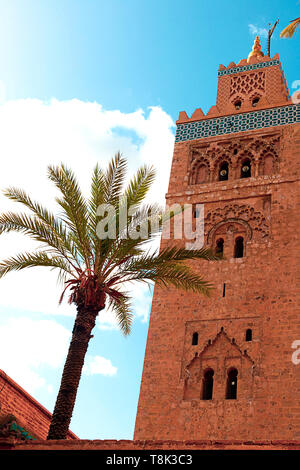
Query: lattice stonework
246	84
238	123
257	221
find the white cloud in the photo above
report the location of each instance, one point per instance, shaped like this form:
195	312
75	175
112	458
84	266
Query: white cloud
255	30
141	302
106	320
296	84
36	133
27	345
99	365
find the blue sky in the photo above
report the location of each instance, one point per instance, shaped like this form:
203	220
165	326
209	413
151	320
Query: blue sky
79	80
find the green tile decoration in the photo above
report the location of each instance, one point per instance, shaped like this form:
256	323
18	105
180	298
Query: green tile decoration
246	68
243	122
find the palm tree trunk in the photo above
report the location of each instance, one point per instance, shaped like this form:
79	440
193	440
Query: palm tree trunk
84	323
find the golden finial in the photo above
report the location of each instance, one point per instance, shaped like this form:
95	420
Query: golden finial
256	49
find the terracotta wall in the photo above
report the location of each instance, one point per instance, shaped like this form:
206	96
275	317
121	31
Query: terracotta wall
29	412
261	293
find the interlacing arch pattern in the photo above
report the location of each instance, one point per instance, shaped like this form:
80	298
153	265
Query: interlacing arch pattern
196	166
261	152
236	212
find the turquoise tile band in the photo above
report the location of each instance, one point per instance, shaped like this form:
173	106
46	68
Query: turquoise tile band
245	68
259	119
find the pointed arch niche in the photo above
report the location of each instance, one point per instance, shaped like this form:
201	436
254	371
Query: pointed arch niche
225	236
200	171
208	376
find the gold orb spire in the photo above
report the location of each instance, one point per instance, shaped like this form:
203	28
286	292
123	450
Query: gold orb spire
256	49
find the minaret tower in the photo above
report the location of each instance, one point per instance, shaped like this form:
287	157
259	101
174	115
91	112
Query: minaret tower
226	367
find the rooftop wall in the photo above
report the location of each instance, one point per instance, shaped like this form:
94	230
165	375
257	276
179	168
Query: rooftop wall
29	412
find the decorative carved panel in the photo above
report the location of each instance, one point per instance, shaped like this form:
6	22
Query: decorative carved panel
205	161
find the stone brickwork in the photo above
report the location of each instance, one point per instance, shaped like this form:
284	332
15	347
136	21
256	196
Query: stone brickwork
190	335
30	413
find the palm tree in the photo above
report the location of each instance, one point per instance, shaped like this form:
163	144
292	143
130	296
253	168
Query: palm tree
290	30
95	270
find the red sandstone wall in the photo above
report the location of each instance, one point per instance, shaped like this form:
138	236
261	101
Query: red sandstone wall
261	293
31	414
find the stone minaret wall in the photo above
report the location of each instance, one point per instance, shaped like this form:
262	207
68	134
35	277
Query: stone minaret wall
256	292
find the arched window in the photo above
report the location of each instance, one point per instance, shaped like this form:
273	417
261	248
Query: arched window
223	171
231	386
208	384
219	246
239	247
195	339
255	102
246	169
249	334
238	104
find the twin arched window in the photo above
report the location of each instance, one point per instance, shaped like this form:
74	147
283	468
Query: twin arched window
245	170
238	103
231	384
238	247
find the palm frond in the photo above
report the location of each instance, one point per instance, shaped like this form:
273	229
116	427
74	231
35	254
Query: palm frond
147	218
139	186
44	221
128	210
168	256
291	29
97	194
167	268
128	244
96	199
182	277
114	179
111	188
178	275
29	260
75	209
121	307
99	266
